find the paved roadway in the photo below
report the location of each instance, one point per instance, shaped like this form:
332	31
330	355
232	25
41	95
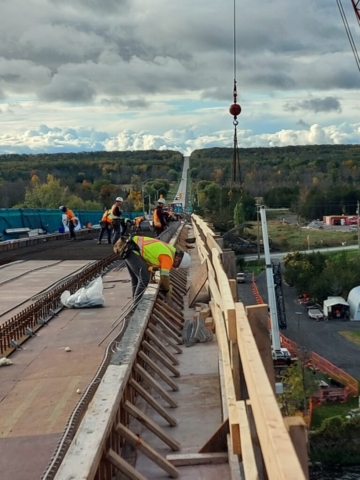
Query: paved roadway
181	193
320	337
280	255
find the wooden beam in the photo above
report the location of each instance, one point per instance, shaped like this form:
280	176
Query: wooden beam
152	402
124	467
279	454
234	289
187	459
226	295
145	448
229	262
298	434
228	378
151	425
146	345
247	452
161	334
258	320
155	385
153	338
156	369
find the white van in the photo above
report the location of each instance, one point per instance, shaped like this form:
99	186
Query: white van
240	277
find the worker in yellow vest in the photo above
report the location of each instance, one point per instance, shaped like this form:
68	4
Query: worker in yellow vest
141	254
106	225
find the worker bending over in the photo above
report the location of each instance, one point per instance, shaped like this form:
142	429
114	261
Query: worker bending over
141	254
106	226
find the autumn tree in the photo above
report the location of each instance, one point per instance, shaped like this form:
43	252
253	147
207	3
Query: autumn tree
45	195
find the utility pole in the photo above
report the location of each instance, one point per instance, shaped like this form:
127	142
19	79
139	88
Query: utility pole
258	232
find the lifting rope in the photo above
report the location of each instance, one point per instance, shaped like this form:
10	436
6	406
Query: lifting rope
235	111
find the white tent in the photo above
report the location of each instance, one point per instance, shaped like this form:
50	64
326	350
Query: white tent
354	302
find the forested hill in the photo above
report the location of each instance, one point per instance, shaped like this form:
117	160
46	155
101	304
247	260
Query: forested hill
87	180
263	169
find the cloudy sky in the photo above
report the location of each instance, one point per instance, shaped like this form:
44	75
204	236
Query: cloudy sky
139	74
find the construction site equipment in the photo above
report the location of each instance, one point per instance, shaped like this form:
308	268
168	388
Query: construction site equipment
281	356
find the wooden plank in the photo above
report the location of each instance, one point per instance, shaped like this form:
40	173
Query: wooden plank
187	459
247	452
167	329
151	401
167	322
234	289
153	338
278	452
151	425
235	366
226	295
162	335
228	378
229	263
218	440
160	358
122	466
156	369
145	448
258	320
155	385
197	283
166	309
298	434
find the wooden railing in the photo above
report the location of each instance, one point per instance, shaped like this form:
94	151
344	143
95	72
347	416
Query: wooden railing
268	445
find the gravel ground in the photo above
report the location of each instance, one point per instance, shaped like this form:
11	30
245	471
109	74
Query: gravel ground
322	338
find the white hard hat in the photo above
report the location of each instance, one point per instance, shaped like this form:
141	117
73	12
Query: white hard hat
161	200
61	207
186	260
119	199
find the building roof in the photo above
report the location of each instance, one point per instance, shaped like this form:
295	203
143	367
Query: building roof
331	301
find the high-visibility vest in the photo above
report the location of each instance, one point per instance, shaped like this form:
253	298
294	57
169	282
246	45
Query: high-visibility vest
106	216
112	215
138	220
156	220
151	249
70	217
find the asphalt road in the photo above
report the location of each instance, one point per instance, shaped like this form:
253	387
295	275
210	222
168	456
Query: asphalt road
181	193
322	338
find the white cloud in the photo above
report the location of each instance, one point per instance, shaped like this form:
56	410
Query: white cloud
160	74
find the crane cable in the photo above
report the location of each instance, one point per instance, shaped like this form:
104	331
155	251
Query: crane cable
235	110
348	33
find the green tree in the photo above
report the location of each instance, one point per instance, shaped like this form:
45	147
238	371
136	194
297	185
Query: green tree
239	214
46	195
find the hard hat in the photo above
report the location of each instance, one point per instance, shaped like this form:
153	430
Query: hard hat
119	199
186	260
161	200
61	207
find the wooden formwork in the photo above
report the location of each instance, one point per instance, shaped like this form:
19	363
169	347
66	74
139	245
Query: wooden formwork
267	446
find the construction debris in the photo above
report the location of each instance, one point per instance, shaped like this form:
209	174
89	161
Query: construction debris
5	361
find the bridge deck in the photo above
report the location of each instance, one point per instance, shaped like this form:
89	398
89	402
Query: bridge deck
39	391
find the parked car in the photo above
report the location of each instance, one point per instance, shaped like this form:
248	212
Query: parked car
315	314
240	277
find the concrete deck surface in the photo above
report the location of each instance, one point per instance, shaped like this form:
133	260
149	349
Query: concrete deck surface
39	391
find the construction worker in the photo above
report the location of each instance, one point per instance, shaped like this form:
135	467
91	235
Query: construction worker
143	254
159	221
106	225
71	221
138	221
115	216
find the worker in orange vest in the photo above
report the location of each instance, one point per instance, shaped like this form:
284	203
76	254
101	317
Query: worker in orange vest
106	225
71	221
144	254
159	221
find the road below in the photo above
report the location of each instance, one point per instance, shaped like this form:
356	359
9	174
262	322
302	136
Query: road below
322	338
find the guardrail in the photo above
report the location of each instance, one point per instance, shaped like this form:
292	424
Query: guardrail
94	451
269	446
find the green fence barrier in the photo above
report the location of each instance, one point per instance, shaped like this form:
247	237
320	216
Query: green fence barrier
50	221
